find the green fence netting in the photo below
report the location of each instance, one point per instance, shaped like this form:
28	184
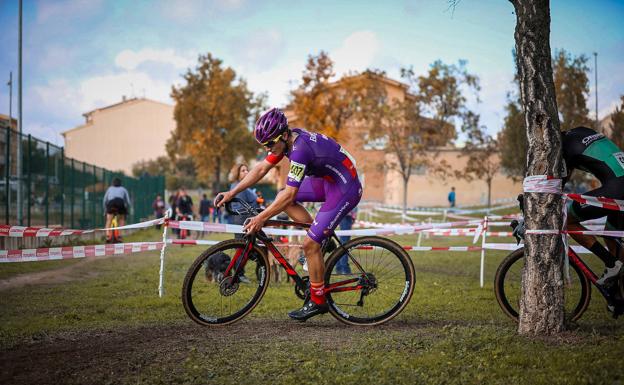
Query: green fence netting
61	191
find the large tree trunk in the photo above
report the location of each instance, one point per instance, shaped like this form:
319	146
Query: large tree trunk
541	304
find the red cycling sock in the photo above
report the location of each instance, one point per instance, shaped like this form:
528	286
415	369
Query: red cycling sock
317	292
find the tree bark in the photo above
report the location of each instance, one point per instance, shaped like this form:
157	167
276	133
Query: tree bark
541	304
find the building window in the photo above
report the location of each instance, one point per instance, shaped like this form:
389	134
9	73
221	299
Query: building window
375	144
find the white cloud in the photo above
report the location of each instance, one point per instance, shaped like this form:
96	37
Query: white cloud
60	10
104	90
357	52
130	60
277	82
259	49
191	10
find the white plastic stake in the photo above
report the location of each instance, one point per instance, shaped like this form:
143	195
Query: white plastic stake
161	281
485	228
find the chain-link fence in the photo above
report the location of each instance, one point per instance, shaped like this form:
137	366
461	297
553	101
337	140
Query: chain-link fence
61	191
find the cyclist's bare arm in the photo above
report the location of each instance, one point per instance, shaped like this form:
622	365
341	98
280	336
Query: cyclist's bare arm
256	173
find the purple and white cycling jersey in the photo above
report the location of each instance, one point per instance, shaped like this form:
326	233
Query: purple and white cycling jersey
323	171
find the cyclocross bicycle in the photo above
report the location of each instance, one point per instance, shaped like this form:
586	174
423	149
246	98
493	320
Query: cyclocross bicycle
381	285
577	289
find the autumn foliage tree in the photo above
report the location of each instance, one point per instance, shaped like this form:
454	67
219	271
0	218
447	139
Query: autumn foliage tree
422	122
213	113
482	153
326	105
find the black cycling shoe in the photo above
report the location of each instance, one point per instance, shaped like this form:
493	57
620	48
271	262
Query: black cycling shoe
309	309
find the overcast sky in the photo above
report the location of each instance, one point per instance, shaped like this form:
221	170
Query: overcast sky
84	54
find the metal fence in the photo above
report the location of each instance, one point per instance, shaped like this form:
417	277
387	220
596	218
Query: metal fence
61	191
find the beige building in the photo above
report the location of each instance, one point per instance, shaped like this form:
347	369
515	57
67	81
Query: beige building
120	135
386	186
425	189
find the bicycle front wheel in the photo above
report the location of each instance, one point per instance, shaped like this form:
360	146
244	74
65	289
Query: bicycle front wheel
210	298
508	281
380	285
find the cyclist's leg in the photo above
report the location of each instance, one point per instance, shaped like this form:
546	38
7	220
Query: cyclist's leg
311	190
615	221
337	205
109	233
578	213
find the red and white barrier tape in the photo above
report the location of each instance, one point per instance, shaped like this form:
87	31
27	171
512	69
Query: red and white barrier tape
23	232
605	203
513	246
69	252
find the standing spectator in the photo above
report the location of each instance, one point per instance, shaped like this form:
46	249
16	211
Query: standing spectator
184	207
116	201
342	266
184	203
204	208
159	208
451	197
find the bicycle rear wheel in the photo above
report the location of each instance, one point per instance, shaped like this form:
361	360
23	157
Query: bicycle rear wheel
508	280
385	277
210	298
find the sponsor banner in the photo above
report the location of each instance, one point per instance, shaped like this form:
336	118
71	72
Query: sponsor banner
70	252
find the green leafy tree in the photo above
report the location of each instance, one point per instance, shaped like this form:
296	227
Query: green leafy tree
441	95
572	88
213	111
513	140
617	125
177	174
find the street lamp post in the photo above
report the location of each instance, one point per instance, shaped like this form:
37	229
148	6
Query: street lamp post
19	121
596	85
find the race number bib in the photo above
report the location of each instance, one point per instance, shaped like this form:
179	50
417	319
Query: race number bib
619	156
297	171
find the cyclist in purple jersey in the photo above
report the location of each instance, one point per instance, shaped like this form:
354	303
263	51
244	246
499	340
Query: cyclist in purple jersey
320	171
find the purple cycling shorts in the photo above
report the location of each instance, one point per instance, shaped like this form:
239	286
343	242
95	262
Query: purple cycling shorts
338	202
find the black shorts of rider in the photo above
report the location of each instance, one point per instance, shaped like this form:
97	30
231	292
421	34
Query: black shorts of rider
116	206
614	188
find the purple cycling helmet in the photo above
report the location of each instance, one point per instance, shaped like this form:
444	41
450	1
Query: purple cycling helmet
270	125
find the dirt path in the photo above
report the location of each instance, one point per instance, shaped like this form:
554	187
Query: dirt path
118	356
73	272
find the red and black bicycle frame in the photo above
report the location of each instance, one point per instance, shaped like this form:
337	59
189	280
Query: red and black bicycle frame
241	256
576	260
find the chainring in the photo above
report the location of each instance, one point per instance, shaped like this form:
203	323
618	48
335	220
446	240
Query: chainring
303	295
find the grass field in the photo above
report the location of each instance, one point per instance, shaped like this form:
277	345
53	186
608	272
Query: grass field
103	322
